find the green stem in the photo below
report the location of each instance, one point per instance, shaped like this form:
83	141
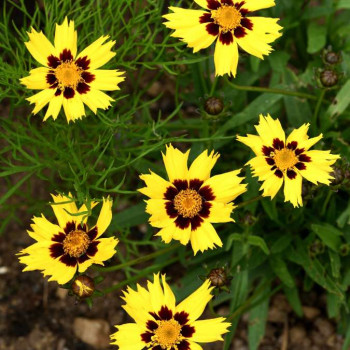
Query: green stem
249	201
213	86
140	275
272	91
317	110
137	260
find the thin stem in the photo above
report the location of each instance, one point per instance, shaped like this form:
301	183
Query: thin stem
213	86
137	260
317	109
138	276
249	201
272	91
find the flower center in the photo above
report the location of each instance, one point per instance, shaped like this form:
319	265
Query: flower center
188	203
68	74
76	243
168	333
227	17
285	158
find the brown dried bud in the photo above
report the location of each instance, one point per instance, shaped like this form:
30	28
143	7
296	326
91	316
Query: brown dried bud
329	78
316	248
213	106
331	57
338	175
218	277
83	286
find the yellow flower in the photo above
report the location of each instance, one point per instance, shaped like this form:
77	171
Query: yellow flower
62	250
185	206
69	79
161	325
229	22
279	160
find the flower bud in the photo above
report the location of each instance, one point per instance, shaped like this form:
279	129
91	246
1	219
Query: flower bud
315	248
218	277
344	249
83	286
213	106
331	57
329	78
338	175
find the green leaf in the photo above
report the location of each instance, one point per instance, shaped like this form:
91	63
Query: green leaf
333	305
130	217
281	270
335	263
257	323
316	37
282	243
329	235
292	295
343	4
341	101
258	242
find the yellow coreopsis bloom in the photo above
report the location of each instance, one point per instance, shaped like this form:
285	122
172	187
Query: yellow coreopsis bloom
62	250
160	324
69	79
185	207
231	23
288	160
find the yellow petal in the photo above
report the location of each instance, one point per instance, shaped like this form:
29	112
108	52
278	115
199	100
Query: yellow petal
85	265
95	99
99	52
195	346
299	135
269	129
271	185
156	185
202	3
220	212
40	47
73	108
54	107
176	163
319	168
260	167
169	297
252	141
84	208
292	190
182	235
105	216
63	207
310	142
204	237
105	250
195	304
226	58
226	187
167	233
210	330
138	304
159	217
188	27
38	258
156	293
202	165
128	337
66	37
36	79
256	41
41	99
106	79
43	229
253	5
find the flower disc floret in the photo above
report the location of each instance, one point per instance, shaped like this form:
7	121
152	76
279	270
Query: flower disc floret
76	243
227	17
188	203
285	159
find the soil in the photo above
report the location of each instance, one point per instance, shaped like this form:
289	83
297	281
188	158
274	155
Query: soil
38	315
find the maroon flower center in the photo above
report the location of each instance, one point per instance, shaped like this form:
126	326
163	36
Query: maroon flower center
68	75
227	19
284	160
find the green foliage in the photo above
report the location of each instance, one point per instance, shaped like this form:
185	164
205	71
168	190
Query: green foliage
105	154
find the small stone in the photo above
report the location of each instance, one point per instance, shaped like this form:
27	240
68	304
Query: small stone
94	332
310	312
61	293
297	335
